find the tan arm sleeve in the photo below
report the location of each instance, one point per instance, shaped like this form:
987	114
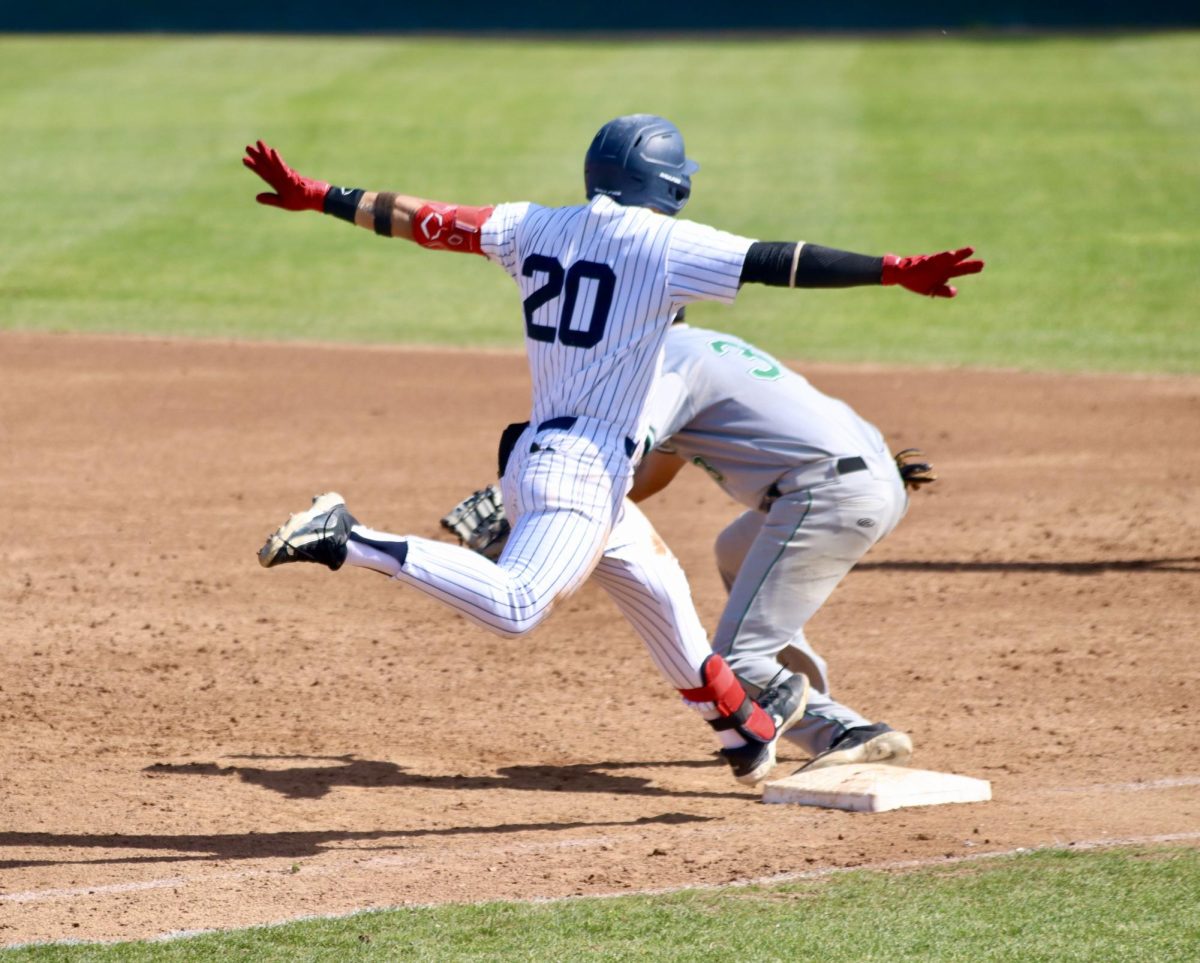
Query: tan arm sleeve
402	208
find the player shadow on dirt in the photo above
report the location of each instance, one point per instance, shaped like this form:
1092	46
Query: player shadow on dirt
279	845
1064	568
313	782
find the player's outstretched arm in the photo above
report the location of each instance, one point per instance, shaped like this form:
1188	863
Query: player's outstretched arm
428	223
803	265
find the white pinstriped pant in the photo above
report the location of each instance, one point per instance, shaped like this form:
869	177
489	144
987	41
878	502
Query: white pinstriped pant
570	519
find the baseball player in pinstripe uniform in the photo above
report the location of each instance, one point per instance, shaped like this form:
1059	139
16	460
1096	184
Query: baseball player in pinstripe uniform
600	283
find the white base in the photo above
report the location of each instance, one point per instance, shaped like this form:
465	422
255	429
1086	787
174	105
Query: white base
875	788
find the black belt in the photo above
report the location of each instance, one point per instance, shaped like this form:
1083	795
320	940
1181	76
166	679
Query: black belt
567	422
844	466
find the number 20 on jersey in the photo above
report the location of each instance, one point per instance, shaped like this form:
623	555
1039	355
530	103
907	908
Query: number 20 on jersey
564	286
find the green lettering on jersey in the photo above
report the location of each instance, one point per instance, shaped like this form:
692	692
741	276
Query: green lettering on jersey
764	368
701	463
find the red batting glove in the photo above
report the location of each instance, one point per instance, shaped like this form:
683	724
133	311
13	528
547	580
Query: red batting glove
292	192
928	273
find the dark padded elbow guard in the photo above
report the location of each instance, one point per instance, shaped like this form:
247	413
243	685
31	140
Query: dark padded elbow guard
778	263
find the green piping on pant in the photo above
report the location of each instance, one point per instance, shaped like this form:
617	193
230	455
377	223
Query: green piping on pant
767	571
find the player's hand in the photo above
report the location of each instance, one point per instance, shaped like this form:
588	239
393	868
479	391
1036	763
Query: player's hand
291	191
928	273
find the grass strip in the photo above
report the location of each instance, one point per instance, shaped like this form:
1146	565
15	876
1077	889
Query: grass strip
1044	906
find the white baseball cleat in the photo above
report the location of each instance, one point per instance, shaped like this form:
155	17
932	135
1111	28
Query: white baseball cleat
316	535
874	743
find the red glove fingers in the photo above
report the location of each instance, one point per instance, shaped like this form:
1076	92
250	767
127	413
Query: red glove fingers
928	273
291	191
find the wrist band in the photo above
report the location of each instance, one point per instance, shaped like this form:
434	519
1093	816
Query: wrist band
342	202
385	206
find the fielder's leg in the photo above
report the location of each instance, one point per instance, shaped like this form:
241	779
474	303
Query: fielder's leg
781	567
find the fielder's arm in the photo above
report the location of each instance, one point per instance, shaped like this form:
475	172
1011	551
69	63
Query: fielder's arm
653	474
429	223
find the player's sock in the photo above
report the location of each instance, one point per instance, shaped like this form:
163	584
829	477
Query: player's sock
728	738
379	551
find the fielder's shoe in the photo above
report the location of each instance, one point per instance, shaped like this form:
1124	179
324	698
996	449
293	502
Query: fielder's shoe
317	535
874	743
784	703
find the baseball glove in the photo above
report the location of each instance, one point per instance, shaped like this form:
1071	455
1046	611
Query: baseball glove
479	522
914	473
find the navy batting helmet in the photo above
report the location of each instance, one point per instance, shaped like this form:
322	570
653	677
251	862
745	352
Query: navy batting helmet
639	161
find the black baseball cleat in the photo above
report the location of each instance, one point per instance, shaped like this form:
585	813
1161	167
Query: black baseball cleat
874	743
784	703
317	535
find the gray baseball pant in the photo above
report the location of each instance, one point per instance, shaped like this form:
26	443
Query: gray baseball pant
781	564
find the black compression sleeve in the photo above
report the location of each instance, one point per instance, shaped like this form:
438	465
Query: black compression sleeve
771	262
827	267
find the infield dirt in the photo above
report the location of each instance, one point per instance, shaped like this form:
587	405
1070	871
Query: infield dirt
190	741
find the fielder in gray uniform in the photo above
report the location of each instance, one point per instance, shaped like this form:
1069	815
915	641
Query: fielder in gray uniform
820	489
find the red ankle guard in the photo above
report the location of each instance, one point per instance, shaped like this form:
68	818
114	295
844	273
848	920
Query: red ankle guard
738	710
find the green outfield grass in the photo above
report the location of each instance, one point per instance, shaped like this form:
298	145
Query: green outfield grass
1072	164
1059	906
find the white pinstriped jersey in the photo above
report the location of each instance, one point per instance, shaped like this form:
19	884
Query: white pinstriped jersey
600	283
